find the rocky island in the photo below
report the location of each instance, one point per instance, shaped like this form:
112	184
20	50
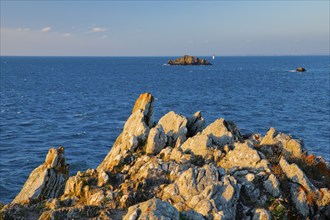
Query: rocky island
188	60
181	168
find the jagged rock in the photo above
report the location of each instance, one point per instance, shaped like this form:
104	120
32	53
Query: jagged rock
135	132
46	181
324	199
102	178
206	190
296	175
291	147
219	133
157	140
195	124
191	215
188	60
174	126
152	209
217	173
261	214
83	212
145	103
211	138
272	185
95	198
299	199
199	144
243	156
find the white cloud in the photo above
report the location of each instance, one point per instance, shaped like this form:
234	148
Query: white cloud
67	35
46	29
98	29
23	29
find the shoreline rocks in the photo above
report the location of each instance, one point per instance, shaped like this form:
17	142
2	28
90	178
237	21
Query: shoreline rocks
188	60
181	168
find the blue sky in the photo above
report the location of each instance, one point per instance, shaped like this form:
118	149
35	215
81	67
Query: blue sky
164	28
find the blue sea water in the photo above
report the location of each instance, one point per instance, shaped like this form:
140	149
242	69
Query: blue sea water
82	103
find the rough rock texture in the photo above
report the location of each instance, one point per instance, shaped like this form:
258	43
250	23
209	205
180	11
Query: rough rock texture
290	146
135	132
175	127
47	180
179	168
157	140
195	124
152	209
188	60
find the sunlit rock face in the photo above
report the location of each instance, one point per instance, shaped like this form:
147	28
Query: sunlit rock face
181	168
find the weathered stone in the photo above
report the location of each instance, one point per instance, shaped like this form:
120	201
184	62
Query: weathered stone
195	124
199	144
191	215
251	193
95	198
269	137
102	178
205	191
174	126
156	140
290	146
261	214
324	199
296	175
145	103
152	209
216	173
219	132
243	156
272	185
46	181
299	199
136	130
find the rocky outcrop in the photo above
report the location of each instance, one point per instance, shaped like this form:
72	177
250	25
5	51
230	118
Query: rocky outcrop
290	147
188	60
179	168
152	209
135	133
46	181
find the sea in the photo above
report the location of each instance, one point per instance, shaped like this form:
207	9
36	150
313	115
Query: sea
82	103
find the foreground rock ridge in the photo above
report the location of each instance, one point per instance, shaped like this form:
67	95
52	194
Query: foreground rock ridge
181	168
188	60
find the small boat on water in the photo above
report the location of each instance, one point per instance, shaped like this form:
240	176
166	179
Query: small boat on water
300	69
213	57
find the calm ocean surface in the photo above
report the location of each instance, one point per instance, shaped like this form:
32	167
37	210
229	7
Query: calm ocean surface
82	103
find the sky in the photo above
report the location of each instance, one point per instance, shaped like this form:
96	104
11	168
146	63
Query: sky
164	28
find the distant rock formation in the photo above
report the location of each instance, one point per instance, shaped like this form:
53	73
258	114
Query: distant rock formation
179	168
300	69
188	60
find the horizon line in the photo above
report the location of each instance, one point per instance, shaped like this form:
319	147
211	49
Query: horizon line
210	55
